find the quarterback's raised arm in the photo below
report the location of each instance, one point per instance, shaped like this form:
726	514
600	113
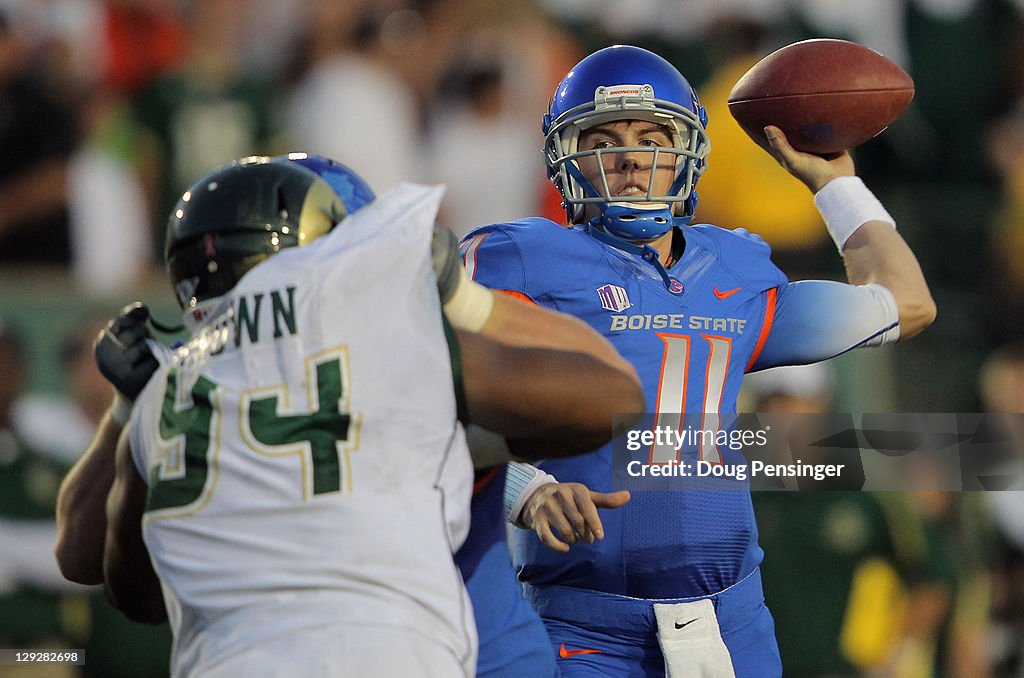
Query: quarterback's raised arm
873	251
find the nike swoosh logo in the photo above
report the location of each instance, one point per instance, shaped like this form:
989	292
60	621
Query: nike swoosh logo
678	625
565	654
727	293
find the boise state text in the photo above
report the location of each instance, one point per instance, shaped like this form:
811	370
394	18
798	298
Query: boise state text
676	321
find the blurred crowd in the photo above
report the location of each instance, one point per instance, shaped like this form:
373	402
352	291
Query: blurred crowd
110	108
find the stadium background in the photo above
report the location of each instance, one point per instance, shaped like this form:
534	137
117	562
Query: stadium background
109	108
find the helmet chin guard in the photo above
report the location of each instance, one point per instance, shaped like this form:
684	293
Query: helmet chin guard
636	223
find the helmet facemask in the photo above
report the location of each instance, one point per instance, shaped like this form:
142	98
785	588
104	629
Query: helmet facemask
690	147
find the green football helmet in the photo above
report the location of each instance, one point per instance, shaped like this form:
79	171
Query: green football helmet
238	215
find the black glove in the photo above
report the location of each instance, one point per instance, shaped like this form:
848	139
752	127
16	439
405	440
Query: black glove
121	351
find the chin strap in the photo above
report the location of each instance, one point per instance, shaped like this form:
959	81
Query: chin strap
634	222
645	252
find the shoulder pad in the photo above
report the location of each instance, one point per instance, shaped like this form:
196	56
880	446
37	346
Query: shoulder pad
527	232
745	254
518	255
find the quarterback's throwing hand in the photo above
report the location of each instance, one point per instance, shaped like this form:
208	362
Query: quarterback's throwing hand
566	513
122	353
813	170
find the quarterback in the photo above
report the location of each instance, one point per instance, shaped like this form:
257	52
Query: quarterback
674	585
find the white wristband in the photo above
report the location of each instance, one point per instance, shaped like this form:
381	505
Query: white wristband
520	482
846	204
470	304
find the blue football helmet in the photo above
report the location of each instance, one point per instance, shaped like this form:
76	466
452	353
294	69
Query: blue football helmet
620	83
350	187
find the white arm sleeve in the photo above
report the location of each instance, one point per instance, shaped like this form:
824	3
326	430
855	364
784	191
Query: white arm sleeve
818	319
520	482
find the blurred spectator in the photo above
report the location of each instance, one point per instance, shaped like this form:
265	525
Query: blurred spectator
208	111
959	537
111	226
348	104
939	34
846	573
530	53
799	389
78	407
37	135
142	39
38	608
271	32
629	20
875	23
484	151
114	646
1001	385
63	38
1005	272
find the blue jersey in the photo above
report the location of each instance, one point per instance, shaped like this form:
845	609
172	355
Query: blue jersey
512	638
691	343
486	524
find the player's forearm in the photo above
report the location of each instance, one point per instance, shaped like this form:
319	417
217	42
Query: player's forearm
876	253
555	403
133	589
862	229
873	251
81	508
568	423
520	323
131	583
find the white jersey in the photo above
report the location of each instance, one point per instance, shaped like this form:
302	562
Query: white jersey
307	473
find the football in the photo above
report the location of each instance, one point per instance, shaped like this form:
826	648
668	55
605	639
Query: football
827	95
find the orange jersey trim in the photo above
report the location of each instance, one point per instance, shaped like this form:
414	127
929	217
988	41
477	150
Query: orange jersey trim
769	318
484	477
518	295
